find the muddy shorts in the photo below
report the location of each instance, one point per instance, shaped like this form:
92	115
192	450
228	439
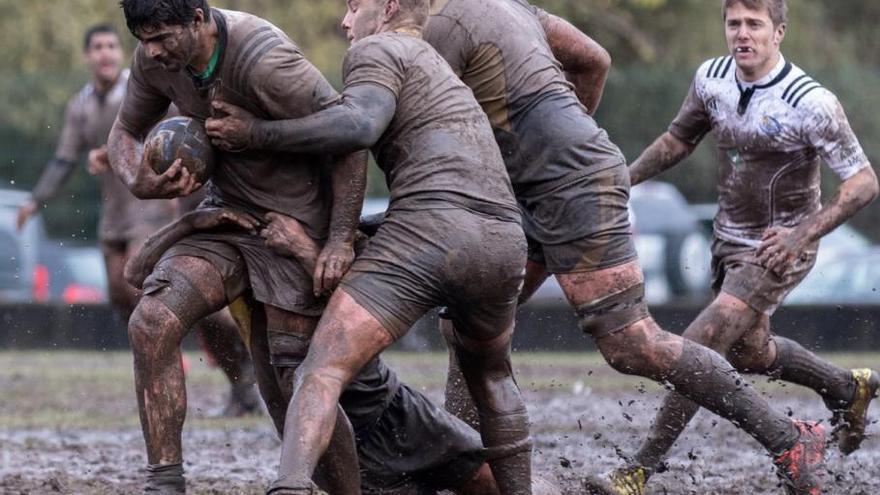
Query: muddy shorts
416	447
580	225
736	272
422	259
245	262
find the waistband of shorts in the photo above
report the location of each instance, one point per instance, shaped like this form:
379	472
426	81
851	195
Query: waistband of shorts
545	187
449	201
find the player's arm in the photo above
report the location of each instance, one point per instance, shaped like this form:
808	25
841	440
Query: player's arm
584	60
664	153
354	124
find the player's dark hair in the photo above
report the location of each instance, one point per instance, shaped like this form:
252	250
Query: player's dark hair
153	13
97	29
777	8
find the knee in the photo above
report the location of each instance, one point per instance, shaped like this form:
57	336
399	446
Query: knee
641	349
153	326
750	358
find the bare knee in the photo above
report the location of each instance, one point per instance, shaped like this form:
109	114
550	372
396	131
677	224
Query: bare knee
722	323
641	349
153	327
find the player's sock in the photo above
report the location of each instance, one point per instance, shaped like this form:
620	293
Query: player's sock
797	365
165	479
674	415
706	378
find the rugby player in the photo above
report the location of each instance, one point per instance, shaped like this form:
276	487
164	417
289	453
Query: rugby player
572	186
189	55
451	236
125	220
773	124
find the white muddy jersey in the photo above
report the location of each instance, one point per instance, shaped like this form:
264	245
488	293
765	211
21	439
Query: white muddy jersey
771	135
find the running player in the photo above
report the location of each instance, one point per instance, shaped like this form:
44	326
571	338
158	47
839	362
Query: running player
572	186
773	123
125	220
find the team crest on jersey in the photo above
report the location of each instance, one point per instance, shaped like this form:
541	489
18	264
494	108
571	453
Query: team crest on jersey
770	126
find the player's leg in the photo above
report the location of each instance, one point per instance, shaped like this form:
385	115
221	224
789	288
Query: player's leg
181	291
220	338
289	335
348	336
123	297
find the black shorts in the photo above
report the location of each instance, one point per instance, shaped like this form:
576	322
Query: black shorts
416	447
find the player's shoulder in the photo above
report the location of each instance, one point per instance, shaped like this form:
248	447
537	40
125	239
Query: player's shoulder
80	99
716	68
799	90
246	31
386	44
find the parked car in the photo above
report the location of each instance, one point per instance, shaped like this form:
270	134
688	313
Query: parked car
850	278
73	273
19	252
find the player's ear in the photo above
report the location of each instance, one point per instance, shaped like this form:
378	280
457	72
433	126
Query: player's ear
198	19
392	7
779	35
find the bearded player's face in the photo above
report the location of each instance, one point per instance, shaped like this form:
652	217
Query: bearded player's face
173	46
363	18
752	39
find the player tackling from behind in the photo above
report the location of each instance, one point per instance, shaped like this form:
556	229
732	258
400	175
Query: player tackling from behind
773	124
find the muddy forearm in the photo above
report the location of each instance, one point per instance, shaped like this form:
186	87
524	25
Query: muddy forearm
585	61
353	125
853	195
663	154
349	182
124	152
56	174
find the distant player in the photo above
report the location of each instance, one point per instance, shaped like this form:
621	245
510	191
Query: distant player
125	220
774	124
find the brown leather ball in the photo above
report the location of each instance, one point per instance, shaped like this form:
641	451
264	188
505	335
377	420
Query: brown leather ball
184	138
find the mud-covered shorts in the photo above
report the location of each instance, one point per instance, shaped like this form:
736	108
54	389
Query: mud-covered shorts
415	447
422	259
580	225
736	271
245	262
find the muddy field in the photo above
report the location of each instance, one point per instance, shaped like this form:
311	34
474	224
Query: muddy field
68	425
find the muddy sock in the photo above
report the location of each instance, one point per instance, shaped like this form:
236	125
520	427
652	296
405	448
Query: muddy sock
165	479
704	377
674	415
797	365
509	452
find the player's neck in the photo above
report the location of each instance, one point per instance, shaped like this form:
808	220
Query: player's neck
407	26
207	42
104	85
759	73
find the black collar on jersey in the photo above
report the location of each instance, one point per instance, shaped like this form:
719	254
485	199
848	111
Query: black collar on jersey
206	84
745	95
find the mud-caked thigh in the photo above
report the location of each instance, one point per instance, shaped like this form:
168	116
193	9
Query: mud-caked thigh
421	259
736	271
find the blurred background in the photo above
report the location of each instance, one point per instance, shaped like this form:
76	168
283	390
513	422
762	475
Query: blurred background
656	46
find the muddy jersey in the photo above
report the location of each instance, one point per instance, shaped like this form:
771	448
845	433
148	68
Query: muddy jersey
771	136
438	150
261	70
500	50
87	122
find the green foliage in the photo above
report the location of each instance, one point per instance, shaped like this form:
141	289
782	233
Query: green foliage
656	46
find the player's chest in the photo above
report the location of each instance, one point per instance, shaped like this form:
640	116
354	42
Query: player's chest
761	123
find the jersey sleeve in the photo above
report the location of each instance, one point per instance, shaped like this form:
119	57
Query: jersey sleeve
144	105
827	129
370	61
71	143
287	85
692	122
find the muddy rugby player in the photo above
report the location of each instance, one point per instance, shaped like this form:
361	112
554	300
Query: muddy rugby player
451	236
191	55
773	123
127	221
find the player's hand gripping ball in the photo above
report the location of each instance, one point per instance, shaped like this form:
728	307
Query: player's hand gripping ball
183	138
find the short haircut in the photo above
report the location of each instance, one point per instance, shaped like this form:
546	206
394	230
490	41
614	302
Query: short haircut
97	29
777	8
418	10
151	14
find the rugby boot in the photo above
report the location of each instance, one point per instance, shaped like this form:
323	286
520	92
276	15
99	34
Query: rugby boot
852	421
801	467
622	481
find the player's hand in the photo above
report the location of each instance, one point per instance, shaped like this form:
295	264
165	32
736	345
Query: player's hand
780	248
173	183
230	128
99	161
335	259
287	237
25	212
211	218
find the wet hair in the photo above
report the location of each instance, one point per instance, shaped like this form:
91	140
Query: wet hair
777	8
418	10
97	29
154	13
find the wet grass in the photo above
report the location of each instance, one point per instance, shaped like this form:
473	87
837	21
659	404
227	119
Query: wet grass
69	389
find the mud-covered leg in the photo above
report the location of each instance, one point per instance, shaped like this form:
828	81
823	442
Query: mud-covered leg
181	291
222	341
504	422
289	337
123	297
